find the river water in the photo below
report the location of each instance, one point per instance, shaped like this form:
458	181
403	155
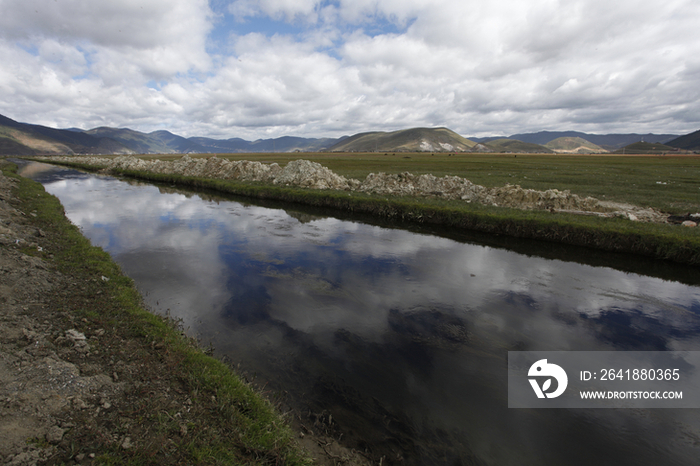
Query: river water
400	337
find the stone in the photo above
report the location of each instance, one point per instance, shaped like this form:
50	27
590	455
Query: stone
54	435
126	443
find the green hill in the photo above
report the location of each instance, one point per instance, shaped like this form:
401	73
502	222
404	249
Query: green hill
505	145
408	140
573	145
688	142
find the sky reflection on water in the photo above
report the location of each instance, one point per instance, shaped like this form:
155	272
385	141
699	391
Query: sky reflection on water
419	322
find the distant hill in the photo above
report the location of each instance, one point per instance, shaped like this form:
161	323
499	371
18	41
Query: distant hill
293	144
176	143
283	144
573	145
515	146
609	142
688	142
164	142
138	142
646	148
408	140
26	139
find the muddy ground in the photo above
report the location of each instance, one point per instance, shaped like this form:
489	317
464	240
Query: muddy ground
71	388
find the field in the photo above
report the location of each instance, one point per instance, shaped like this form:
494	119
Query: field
668	183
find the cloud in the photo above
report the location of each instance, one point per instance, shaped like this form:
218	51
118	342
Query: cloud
370	270
327	68
156	39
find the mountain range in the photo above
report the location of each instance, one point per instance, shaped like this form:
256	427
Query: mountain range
28	139
609	142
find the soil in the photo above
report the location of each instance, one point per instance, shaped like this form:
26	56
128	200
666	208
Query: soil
72	387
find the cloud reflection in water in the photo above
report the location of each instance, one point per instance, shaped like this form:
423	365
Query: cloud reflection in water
430	317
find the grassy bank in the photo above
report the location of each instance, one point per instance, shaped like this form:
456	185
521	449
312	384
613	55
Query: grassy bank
182	406
668	242
670	184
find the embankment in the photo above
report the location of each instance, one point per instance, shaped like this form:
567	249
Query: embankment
89	376
551	215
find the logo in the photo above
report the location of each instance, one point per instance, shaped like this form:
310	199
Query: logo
542	369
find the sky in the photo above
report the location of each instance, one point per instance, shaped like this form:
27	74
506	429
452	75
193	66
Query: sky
270	68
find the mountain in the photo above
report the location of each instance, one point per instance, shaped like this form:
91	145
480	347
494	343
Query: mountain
210	145
608	142
646	148
26	139
283	144
573	145
514	146
408	140
688	142
138	142
292	144
176	143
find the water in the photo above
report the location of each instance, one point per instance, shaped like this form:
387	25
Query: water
401	337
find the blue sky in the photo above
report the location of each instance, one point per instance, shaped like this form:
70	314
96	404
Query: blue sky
268	68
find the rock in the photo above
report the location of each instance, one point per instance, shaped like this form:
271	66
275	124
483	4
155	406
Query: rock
689	223
54	435
307	174
25	458
79	403
77	338
126	443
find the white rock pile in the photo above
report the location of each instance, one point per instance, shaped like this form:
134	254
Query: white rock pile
307	174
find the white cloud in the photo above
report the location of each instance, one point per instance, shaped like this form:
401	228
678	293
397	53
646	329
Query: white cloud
156	39
346	66
288	10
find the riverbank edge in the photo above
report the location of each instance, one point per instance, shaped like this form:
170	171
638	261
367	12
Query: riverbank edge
242	425
660	241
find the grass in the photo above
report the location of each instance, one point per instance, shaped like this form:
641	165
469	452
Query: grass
666	183
670	184
230	423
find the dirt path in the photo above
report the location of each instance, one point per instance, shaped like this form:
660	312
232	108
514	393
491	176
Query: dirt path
57	393
33	378
75	389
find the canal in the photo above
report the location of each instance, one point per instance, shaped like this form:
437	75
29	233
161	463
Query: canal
396	341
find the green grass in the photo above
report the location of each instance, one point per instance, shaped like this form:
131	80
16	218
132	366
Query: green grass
244	427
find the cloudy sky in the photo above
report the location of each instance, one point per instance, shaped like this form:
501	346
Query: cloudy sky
267	68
